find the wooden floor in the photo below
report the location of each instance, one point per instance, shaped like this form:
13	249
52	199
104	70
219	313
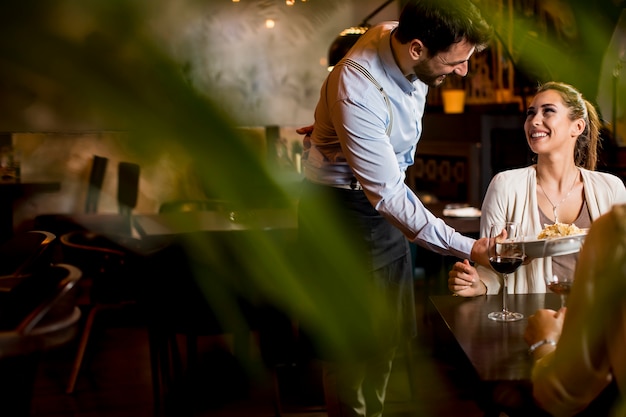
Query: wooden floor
116	381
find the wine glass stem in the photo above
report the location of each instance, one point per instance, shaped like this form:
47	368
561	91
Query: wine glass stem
563	299
504	291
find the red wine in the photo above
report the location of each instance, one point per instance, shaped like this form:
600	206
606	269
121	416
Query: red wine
562	288
505	265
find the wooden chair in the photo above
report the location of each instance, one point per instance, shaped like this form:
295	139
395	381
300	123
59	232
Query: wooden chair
96	178
128	175
127	187
60	223
38	314
34	302
25	252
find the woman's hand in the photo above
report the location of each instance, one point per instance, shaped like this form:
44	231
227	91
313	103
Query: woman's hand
463	280
545	324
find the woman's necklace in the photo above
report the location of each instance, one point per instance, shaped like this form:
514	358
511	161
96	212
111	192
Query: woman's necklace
556	206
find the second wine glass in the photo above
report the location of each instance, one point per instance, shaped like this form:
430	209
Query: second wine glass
506	254
561	256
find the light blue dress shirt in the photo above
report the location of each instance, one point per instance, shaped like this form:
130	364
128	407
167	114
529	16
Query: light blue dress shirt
350	140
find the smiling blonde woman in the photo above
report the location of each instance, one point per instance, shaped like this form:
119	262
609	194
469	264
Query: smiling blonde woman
562	129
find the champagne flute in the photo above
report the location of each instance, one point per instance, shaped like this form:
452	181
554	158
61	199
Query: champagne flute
506	253
561	255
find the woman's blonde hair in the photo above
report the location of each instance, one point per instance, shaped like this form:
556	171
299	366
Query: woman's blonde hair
588	143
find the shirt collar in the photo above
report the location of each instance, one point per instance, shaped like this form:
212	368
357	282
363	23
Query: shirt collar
391	67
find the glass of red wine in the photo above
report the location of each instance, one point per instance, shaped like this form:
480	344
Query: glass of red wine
506	254
561	255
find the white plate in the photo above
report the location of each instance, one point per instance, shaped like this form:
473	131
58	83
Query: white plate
534	247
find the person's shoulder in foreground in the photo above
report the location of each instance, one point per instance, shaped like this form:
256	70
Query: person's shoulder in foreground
590	354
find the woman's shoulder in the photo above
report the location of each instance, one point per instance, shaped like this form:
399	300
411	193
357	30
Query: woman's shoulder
510	184
602	177
516	175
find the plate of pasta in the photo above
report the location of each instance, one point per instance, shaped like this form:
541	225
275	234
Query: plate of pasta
568	237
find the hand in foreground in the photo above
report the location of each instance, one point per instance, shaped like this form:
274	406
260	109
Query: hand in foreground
305	130
544	324
463	280
480	252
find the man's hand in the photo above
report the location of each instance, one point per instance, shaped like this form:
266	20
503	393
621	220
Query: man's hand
305	130
480	252
463	280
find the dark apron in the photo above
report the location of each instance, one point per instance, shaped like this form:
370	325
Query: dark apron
383	246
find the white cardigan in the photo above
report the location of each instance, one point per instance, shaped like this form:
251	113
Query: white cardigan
512	196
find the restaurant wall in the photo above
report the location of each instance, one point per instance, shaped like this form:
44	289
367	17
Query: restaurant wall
267	76
67	157
260	76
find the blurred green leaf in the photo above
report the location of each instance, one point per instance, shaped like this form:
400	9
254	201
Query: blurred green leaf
98	63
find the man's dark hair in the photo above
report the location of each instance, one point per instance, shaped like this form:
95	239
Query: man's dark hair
440	23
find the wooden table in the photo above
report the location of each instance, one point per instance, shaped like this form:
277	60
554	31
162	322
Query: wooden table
496	351
11	191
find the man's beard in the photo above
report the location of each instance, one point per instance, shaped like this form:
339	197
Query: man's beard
425	74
